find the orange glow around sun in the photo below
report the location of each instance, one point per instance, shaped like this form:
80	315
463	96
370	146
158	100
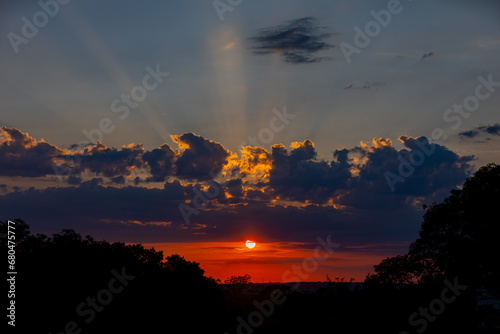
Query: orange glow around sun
250	244
270	261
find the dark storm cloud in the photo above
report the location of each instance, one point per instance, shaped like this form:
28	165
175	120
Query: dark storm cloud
481	130
22	155
297	41
201	158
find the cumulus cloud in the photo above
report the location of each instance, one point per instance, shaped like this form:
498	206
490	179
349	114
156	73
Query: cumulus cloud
438	172
22	155
297	41
197	158
201	158
354	174
161	162
295	174
283	194
110	162
298	176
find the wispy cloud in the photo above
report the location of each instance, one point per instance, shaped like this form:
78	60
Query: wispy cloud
366	85
481	130
427	55
297	41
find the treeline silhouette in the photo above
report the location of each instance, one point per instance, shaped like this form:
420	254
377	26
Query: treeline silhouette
73	284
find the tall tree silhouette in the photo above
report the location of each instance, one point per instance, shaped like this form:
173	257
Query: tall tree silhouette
458	237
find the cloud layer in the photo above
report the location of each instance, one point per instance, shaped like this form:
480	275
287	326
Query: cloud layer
22	155
285	194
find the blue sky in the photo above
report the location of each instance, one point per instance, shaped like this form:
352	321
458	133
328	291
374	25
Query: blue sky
65	78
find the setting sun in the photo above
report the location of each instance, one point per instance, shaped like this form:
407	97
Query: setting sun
250	244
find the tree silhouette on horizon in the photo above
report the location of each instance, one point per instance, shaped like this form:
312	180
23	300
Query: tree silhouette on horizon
458	237
58	273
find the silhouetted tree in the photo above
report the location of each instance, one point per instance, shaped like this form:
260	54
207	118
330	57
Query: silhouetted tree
240	280
57	274
459	237
237	283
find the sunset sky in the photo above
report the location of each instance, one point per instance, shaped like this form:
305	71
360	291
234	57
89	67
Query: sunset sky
193	126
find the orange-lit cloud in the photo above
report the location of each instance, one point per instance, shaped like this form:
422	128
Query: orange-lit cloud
283	198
